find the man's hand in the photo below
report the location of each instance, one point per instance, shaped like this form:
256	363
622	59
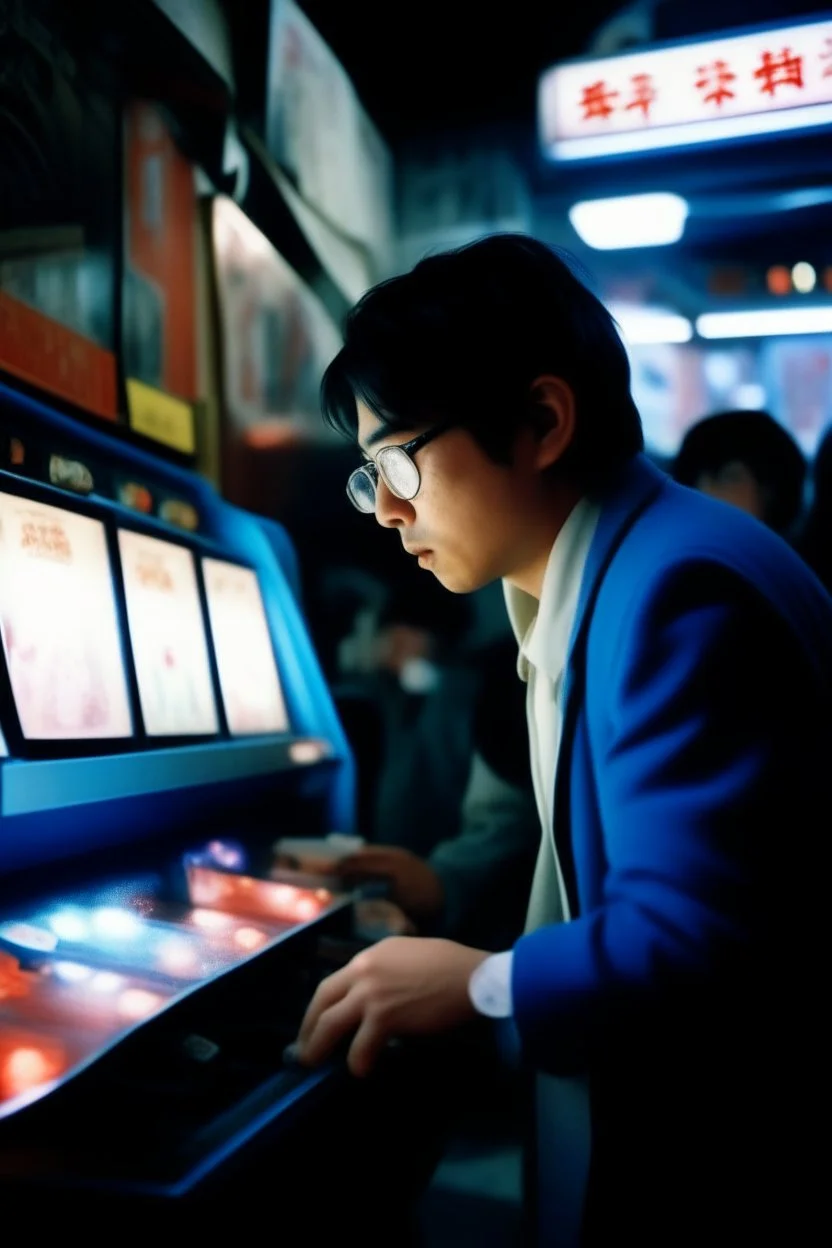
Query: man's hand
401	986
414	884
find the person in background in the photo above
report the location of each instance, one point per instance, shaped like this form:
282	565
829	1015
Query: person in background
453	829
425	685
458	835
748	459
815	542
668	994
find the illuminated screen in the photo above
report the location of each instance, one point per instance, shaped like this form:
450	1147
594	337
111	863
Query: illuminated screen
168	636
59	624
249	681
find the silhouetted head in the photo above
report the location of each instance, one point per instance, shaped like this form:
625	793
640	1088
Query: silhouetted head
748	459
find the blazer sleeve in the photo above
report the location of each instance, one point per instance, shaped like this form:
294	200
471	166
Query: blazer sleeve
698	710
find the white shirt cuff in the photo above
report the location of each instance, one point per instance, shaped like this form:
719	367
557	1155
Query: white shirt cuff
490	986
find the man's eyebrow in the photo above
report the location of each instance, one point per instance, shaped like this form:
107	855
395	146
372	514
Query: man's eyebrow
383	431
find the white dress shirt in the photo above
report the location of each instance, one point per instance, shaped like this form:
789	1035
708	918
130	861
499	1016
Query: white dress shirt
543	630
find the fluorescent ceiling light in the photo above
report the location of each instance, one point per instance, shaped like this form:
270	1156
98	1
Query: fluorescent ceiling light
691	132
652	220
765	322
644	325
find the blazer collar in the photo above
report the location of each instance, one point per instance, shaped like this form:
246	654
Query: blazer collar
622	499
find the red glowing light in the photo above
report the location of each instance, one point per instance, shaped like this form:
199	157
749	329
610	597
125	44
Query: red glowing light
27	1066
13	981
249	937
779	280
307	908
136	1003
257	899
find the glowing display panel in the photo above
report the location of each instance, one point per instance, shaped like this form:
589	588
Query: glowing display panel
211	890
168	636
249	681
59	624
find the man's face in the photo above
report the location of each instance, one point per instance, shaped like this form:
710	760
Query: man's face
472	521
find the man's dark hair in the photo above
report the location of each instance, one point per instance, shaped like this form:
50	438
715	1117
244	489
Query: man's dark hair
757	440
462	337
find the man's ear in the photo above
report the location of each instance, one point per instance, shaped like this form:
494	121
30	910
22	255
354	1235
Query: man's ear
552	409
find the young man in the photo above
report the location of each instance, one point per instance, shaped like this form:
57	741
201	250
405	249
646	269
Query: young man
678	660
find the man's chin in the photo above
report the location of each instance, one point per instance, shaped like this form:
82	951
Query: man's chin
457	583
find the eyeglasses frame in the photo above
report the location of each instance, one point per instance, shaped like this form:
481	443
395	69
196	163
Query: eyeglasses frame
373	469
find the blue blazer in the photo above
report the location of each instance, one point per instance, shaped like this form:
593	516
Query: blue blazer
691	801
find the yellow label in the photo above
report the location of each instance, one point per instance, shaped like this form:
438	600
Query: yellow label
161	417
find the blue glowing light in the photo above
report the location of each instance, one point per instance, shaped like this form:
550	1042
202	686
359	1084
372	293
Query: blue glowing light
226	854
112	923
28	936
69	924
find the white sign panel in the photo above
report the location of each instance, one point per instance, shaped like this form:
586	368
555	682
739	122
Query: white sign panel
168	636
59	624
277	336
250	685
674	96
319	132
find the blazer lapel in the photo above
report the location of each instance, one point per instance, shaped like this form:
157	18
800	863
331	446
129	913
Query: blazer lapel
622	501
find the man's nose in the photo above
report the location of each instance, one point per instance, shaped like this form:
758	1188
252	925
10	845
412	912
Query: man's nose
392	512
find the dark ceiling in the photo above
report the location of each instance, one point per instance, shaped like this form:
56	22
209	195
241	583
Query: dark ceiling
431	66
427	66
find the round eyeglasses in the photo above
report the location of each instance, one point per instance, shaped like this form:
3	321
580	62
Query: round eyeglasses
398	472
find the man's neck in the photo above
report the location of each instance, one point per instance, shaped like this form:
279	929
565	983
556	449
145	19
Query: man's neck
529	576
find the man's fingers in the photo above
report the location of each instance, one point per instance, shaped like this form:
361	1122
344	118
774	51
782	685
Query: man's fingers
330	1028
365	1050
328	992
364	864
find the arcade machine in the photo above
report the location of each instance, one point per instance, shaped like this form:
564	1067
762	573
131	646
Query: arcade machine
164	721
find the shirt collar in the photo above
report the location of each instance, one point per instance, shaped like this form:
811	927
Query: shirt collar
543	628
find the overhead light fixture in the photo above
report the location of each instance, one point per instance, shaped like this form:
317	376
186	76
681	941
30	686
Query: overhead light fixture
652	220
804	277
642	325
765	322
